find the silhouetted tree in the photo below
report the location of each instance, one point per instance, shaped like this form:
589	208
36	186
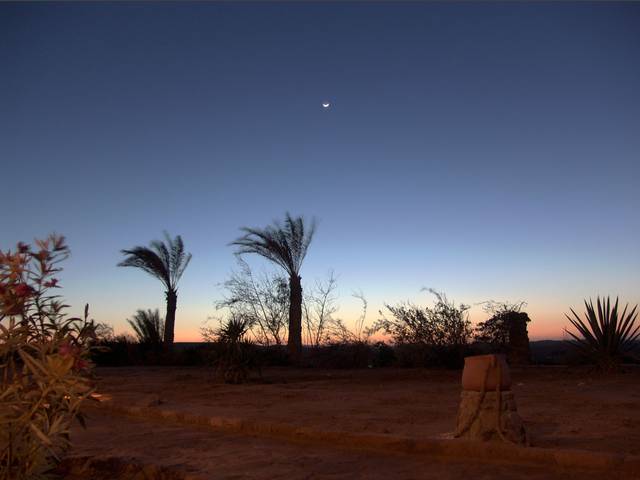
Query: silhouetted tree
285	245
318	308
506	330
167	262
148	326
261	299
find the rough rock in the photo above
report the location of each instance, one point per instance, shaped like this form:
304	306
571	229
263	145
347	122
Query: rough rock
478	417
519	352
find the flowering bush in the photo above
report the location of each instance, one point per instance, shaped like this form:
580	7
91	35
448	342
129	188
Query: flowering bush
44	361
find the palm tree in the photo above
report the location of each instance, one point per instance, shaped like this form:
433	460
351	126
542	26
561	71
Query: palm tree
148	326
285	245
167	262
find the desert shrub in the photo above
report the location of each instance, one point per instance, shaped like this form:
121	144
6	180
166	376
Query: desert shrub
148	326
234	355
418	355
340	355
429	336
383	355
318	307
272	356
261	299
118	351
124	350
339	345
605	335
44	361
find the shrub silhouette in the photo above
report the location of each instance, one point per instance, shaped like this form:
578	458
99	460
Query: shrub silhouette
428	336
148	326
235	354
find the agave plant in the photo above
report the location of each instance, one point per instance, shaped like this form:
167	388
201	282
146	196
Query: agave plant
605	335
235	356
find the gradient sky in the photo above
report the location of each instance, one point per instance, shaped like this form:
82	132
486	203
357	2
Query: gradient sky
487	150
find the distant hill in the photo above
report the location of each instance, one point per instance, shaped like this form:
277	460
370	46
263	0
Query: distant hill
552	352
556	352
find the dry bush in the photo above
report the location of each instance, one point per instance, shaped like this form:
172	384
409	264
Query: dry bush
443	325
44	362
261	299
428	336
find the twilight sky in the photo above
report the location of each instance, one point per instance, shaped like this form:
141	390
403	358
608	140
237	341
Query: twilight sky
490	151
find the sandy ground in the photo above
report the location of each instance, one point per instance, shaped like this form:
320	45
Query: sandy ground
209	455
561	407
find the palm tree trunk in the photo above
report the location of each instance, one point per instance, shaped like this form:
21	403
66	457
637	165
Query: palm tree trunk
170	319
295	319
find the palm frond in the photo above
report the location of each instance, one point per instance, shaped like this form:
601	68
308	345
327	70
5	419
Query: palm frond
166	260
147	260
148	326
284	244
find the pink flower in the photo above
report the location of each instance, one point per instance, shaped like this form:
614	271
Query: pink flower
66	349
23	290
80	364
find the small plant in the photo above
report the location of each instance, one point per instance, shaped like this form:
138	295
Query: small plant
148	326
235	354
605	335
44	361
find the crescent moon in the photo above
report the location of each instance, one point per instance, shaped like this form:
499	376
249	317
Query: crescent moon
326	105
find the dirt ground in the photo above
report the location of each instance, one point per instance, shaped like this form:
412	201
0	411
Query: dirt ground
564	408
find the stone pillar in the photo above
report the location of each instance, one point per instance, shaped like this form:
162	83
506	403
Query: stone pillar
518	349
480	414
487	406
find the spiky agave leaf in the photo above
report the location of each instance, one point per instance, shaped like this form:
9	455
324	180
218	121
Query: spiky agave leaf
604	335
234	329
